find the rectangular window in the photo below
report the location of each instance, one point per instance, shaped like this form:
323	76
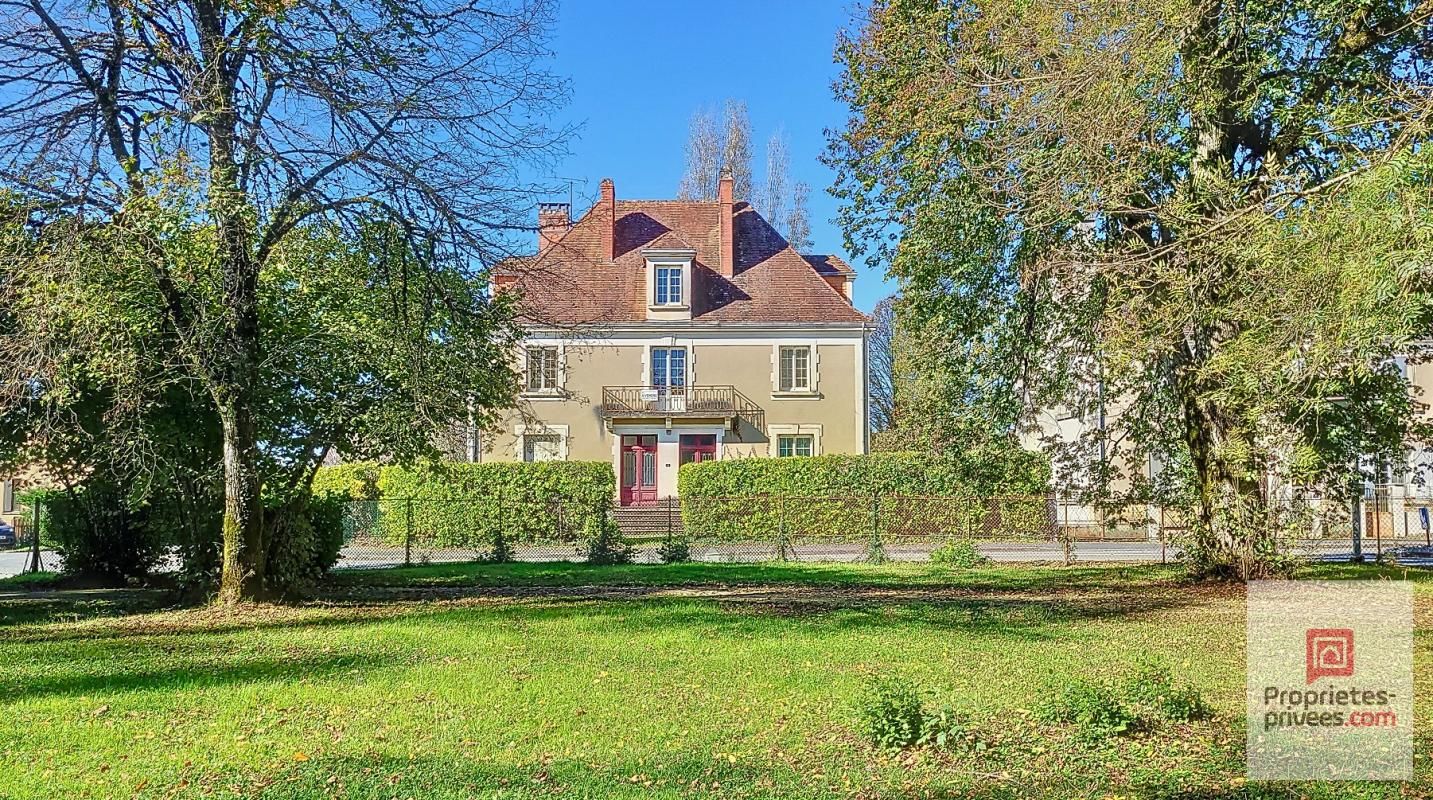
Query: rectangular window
7	497
796	369
793	446
669	286
542	369
669	369
541	447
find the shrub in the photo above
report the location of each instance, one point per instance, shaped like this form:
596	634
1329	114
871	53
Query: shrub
849	496
356	481
305	540
1154	689
1145	698
960	553
489	507
98	534
604	542
1094	708
675	549
892	715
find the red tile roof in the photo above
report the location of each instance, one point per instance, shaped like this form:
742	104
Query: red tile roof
571	284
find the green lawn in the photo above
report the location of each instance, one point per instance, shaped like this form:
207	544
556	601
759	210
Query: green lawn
566	680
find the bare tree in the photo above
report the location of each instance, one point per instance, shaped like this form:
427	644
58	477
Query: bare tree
772	201
712	148
881	362
421	111
798	222
705	152
736	148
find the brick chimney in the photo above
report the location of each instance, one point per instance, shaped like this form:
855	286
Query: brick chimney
725	190
553	220
607	210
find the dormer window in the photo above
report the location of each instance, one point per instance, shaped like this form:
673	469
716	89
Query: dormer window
669	285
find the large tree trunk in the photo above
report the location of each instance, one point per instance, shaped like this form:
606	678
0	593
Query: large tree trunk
244	547
1226	493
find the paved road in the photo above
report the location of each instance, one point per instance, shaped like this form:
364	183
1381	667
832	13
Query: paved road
12	562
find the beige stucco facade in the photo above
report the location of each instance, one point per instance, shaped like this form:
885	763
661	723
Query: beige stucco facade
829	416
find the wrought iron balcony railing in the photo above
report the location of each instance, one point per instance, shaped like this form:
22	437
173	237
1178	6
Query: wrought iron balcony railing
678	401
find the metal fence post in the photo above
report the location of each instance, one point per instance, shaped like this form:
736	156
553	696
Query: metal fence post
781	527
35	565
408	536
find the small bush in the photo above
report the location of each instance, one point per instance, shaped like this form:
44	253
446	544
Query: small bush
304	543
960	553
1096	709
1145	698
605	544
674	550
892	715
1153	688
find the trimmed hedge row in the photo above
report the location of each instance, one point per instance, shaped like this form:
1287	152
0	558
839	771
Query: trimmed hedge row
486	507
919	474
849	497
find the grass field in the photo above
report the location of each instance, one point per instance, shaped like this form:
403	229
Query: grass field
461	681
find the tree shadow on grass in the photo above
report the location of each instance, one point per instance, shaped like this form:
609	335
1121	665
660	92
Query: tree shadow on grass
71	605
568	574
748	611
200	668
688	773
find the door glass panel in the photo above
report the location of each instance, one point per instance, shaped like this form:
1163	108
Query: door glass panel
649	469
689	456
677	369
629	468
647	441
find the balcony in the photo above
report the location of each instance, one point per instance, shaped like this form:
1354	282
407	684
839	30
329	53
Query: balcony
645	402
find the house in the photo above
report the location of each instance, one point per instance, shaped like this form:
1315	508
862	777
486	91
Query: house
664	332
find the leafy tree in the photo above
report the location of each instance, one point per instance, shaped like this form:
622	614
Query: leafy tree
420	112
1215	213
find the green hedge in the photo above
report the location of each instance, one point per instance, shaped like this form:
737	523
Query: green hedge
879	496
485	507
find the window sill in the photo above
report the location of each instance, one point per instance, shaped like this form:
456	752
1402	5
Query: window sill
545	394
803	394
682	307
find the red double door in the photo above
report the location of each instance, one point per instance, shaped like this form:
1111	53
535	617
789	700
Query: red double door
639	463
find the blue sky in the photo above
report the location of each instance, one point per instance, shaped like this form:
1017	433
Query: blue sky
639	68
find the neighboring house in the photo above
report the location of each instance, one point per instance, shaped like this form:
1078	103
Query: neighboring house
663	332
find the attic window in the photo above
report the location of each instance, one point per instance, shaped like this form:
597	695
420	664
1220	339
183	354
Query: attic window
668	289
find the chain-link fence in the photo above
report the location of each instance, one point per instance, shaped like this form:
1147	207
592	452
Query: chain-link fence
747	528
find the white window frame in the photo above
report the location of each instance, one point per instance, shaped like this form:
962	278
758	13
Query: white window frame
796	439
521	432
794	350
774	433
559	371
7	497
813	371
677	270
686	364
680	307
